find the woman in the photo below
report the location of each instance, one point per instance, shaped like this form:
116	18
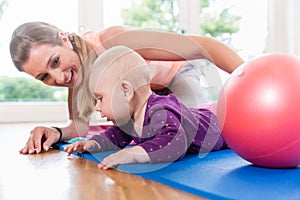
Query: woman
55	58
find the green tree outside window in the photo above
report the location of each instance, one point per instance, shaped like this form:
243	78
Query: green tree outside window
163	14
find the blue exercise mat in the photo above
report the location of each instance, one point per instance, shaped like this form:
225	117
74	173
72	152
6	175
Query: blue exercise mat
216	175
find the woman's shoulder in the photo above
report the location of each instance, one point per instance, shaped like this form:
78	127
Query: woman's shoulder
113	31
105	34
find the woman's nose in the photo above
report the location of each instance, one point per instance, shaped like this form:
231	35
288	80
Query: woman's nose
58	76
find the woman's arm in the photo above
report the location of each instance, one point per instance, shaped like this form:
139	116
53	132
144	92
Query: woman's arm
158	45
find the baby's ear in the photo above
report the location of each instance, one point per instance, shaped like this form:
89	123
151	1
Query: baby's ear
127	90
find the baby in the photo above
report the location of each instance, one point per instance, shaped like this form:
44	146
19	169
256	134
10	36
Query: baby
161	127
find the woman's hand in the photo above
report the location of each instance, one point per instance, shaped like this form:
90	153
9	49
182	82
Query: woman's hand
125	156
41	138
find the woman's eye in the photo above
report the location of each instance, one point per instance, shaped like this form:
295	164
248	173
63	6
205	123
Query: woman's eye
55	62
44	77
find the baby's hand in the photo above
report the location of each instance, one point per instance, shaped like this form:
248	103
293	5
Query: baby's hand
82	146
75	147
125	156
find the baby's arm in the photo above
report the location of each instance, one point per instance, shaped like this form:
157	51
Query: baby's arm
82	146
135	154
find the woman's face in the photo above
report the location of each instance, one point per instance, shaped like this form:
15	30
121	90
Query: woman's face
53	65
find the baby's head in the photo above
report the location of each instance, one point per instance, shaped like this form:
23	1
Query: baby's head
119	64
118	80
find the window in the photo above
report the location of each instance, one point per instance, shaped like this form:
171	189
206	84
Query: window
63	14
84	15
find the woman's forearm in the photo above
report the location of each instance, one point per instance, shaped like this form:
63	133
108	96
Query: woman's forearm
219	54
75	128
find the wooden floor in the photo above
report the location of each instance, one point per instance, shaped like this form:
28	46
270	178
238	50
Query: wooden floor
54	176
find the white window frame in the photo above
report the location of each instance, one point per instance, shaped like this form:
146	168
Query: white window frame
90	15
284	26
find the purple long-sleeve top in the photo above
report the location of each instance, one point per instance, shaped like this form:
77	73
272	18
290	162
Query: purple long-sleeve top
170	130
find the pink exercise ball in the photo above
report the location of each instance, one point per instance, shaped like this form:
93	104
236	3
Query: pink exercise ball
258	111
